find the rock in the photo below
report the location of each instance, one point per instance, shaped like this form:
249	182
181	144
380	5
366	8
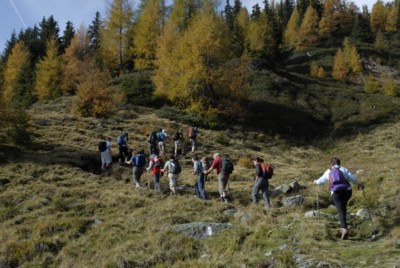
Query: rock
293	201
303	261
269	253
295	187
363	214
245	217
283	246
238	214
281	189
314	213
230	212
205	257
324	264
200	230
96	222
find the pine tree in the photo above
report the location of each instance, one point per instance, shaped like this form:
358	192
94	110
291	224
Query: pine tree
290	36
94	31
361	31
67	35
321	73
49	29
49	73
260	37
17	91
314	68
242	21
256	12
116	36
9	46
340	68
381	42
147	32
308	32
229	16
371	84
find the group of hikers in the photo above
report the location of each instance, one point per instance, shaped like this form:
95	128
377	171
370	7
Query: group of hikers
337	176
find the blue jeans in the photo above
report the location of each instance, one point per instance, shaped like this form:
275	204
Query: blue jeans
157	185
199	187
261	184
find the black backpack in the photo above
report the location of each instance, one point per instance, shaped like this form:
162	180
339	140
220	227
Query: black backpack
227	166
175	167
102	146
152	138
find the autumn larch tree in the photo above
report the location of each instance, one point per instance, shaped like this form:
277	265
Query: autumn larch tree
308	32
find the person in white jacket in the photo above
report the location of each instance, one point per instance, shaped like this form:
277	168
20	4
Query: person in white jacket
341	191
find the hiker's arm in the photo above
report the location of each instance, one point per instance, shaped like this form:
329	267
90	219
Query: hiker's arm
350	177
324	178
150	165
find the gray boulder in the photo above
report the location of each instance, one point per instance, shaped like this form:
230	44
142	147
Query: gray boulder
200	230
314	213
295	187
363	214
281	189
292	201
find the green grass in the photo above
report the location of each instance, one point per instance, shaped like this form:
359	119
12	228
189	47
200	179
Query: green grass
57	212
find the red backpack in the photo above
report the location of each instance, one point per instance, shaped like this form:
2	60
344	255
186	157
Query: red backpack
268	171
192	133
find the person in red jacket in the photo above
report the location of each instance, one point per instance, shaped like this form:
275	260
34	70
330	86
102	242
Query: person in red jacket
155	165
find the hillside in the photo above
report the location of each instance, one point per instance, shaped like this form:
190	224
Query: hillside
57	210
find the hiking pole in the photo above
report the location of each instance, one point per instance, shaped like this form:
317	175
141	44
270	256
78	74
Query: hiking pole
369	213
316	192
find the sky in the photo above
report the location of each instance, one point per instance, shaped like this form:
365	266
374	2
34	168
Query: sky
19	14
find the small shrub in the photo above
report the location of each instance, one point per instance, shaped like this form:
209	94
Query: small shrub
245	162
18	133
314	69
138	88
371	84
222	139
321	73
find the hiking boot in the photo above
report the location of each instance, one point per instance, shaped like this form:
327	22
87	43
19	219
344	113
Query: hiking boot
344	234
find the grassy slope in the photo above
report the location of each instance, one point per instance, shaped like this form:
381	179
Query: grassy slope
57	212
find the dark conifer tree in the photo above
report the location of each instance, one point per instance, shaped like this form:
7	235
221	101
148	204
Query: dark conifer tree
362	29
68	34
256	12
94	31
9	46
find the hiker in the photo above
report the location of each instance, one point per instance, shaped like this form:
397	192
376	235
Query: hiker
341	190
193	136
206	165
224	168
105	153
200	183
261	182
138	161
152	140
122	141
155	165
173	168
179	143
162	141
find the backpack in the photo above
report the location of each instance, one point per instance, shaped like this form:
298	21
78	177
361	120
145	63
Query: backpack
152	138
337	181
175	167
102	146
227	166
268	171
160	136
176	136
121	139
139	160
192	133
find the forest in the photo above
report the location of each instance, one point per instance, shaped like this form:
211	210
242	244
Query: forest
200	59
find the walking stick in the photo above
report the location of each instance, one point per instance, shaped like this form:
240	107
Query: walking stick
316	192
148	182
369	213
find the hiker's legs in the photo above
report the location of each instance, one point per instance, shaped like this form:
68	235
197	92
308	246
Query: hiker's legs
201	193
103	161
125	153
121	153
340	200
176	148
265	196
222	183
157	185
256	189
172	182
136	174
193	144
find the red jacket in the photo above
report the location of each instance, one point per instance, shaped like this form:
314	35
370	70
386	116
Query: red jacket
217	164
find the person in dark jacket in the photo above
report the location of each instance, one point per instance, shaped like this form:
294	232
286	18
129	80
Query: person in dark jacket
261	184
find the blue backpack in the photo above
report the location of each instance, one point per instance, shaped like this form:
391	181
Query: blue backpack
337	181
139	160
121	139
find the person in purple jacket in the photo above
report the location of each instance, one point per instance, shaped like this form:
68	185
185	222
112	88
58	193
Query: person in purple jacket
339	184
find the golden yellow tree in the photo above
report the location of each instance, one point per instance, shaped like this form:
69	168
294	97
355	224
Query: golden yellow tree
392	19
76	58
371	84
49	73
259	36
378	17
353	58
308	32
193	62
292	29
389	86
95	96
148	29
340	68
314	69
16	66
116	36
322	73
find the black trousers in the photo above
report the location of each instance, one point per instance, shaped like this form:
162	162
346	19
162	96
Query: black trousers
340	200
